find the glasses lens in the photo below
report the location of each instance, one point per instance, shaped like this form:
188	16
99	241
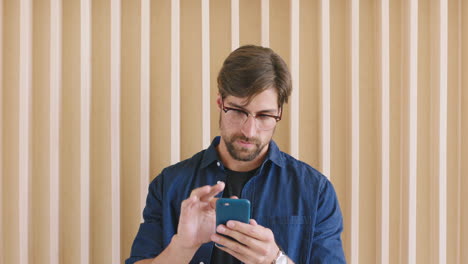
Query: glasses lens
236	117
265	122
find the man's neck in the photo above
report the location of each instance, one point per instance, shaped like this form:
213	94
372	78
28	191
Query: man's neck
237	165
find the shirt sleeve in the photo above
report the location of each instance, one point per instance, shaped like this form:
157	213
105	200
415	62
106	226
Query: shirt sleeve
327	246
148	241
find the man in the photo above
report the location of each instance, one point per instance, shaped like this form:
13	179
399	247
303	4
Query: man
295	213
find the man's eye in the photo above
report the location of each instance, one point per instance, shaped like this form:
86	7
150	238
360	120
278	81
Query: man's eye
239	112
263	117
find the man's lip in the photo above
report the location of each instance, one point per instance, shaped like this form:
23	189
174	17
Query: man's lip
242	142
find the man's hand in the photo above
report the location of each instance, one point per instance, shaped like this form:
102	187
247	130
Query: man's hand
198	217
256	244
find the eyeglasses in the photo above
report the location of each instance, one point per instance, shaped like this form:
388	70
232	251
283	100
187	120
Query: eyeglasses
238	117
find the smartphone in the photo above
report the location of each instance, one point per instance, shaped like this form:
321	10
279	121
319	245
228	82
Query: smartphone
232	209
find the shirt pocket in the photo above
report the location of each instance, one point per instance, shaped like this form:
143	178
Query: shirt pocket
292	233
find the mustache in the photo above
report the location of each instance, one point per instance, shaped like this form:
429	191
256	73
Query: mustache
248	140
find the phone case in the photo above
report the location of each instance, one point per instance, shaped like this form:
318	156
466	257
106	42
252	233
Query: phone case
232	209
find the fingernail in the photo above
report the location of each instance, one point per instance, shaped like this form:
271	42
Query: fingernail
221	229
230	224
219	182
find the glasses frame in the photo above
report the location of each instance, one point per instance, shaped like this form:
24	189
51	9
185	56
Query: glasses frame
247	113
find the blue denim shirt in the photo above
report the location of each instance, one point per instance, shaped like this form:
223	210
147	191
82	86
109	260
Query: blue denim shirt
288	196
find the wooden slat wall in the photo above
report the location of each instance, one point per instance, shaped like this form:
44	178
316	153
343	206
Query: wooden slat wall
384	217
54	127
1	131
115	124
96	97
355	231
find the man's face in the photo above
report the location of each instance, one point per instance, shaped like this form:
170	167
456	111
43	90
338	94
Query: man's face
246	141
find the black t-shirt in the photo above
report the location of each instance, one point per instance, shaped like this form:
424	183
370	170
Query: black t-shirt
235	181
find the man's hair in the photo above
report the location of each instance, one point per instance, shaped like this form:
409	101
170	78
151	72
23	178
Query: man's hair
250	70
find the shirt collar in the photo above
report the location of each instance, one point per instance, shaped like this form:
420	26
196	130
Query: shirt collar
211	154
275	155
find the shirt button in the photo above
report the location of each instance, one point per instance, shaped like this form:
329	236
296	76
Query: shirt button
219	164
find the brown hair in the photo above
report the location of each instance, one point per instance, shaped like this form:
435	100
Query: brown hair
250	70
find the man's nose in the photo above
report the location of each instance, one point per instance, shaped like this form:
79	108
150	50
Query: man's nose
249	128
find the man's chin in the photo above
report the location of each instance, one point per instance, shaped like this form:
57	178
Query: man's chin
244	159
243	155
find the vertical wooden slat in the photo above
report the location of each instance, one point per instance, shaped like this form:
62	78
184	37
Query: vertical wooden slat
325	87
175	81
265	6
309	72
385	119
54	135
131	119
427	149
144	101
250	23
234	24
453	143
369	131
220	46
161	77
10	181
85	106
25	75
453	136
115	92
396	135
40	133
191	78
459	132
463	127
205	5
1	134
413	130
294	137
340	129
70	164
280	42
355	131
443	97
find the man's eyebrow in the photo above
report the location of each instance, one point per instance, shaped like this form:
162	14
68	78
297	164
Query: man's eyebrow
261	111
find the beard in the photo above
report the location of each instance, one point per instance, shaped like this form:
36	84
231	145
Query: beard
237	152
241	153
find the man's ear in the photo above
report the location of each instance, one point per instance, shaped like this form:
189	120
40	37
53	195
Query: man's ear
219	102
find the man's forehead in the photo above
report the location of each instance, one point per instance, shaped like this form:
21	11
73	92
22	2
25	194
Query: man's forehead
239	101
268	98
255	105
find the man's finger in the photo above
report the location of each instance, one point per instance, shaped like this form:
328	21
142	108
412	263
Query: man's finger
185	208
205	193
213	203
215	189
231	244
200	191
250	242
256	231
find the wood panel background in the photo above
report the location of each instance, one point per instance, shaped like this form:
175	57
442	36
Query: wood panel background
97	96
